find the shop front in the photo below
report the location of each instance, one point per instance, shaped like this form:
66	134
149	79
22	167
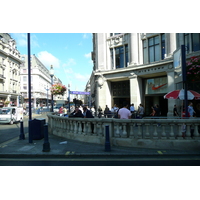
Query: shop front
154	90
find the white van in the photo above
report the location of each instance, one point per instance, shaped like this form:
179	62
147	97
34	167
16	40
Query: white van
9	115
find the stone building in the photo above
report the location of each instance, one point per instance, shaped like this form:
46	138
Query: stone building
138	68
40	82
10	61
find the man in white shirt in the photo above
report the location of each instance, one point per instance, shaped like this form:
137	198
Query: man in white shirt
124	113
132	109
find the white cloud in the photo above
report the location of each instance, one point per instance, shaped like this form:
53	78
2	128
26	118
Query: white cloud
70	62
68	71
81	77
21	39
85	36
88	55
48	59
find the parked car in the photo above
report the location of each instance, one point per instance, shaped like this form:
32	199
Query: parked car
56	109
9	115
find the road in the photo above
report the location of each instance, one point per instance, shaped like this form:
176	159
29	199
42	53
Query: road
8	132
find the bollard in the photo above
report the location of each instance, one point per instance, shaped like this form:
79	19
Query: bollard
21	136
46	145
107	142
30	136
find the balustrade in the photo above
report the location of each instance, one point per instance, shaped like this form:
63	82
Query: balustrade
134	129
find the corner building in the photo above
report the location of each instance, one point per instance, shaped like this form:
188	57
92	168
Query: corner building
138	68
10	61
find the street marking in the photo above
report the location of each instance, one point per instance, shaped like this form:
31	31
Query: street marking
25	148
2	146
67	153
12	140
160	152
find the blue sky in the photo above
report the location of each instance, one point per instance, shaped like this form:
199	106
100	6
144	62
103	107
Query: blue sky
69	53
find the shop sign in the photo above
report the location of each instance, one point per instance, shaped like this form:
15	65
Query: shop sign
156	85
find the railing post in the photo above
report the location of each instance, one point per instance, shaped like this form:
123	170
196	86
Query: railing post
155	133
147	134
46	145
163	134
124	132
107	141
171	133
116	129
196	133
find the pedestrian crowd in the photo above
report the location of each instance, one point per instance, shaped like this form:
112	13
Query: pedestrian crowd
126	111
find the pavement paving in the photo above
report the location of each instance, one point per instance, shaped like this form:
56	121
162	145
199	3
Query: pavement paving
62	147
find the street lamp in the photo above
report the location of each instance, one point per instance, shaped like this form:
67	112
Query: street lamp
51	74
69	96
47	89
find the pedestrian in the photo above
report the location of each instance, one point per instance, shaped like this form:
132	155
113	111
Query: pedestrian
141	111
76	113
153	111
175	112
99	112
132	109
93	110
191	113
124	113
157	110
107	112
61	111
115	111
88	114
191	110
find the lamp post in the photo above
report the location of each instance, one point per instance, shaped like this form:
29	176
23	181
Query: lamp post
69	96
51	74
47	89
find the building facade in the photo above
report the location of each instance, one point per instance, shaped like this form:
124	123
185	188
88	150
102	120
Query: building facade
10	61
138	68
40	83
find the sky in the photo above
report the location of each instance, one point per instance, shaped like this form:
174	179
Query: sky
69	53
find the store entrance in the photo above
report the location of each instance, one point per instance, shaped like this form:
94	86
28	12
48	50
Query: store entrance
152	100
119	101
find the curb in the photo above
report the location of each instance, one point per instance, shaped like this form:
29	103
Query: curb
100	155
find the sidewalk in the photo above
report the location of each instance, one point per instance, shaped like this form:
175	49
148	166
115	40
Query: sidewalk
61	147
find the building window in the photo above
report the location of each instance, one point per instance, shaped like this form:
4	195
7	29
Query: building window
126	55
112	34
24	78
195	41
178	40
154	50
186	42
119	57
25	87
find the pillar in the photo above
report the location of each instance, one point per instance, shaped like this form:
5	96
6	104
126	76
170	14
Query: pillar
133	48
